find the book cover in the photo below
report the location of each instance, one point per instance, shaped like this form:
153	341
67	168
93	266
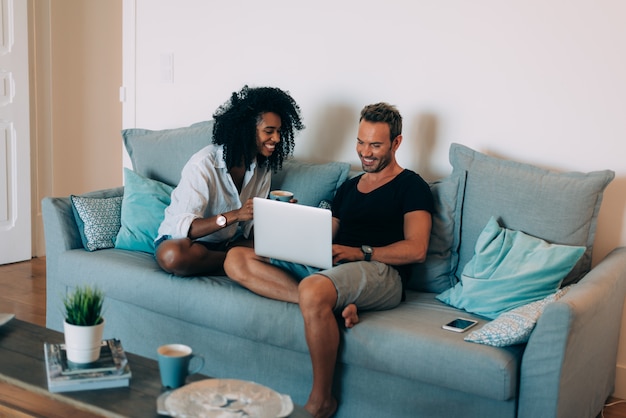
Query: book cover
113	371
112	357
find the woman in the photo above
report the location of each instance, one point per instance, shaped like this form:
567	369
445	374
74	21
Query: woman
211	207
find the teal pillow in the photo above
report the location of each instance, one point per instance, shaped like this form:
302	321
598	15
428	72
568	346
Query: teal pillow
311	183
557	207
98	220
143	209
515	326
510	269
161	155
436	273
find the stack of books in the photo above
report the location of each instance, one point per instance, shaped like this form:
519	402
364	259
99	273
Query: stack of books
111	370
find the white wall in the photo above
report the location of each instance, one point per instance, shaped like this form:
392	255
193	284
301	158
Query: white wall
530	80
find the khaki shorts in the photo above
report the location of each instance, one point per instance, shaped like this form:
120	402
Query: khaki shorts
370	285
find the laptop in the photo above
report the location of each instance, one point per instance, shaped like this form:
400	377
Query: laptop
292	232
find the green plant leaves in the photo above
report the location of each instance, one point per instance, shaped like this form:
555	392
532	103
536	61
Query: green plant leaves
83	306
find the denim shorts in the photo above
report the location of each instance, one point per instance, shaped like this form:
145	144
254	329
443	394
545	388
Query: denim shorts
211	246
370	285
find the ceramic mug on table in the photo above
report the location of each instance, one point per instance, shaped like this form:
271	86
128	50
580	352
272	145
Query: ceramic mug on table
175	364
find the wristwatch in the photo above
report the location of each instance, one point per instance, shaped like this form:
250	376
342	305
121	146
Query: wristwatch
221	221
367	252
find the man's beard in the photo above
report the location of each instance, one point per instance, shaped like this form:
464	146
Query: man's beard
382	163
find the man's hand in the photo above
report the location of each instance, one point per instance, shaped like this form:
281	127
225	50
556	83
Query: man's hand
343	253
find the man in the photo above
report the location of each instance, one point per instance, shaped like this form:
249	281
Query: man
381	224
211	207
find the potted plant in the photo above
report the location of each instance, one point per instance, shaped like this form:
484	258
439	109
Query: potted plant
84	324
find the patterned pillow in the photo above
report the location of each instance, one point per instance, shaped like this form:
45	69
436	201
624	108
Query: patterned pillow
98	220
515	326
326	204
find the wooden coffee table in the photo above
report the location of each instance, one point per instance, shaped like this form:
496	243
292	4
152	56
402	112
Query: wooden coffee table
24	387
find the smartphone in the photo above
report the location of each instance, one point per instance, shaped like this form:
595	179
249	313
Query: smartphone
460	324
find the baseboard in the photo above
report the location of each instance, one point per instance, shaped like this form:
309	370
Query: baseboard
620	382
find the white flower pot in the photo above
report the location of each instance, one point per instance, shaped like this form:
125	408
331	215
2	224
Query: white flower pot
82	343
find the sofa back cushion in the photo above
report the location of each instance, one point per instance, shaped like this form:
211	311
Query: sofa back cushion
560	208
311	183
436	274
161	155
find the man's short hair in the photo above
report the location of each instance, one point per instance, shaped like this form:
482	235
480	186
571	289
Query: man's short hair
384	112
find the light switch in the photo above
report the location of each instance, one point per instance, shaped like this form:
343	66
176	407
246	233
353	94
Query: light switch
167	67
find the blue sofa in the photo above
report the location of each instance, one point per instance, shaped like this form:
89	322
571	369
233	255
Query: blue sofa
396	363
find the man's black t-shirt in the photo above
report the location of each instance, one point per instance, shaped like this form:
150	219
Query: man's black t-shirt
377	218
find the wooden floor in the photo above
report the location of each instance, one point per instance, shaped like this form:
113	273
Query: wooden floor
23	292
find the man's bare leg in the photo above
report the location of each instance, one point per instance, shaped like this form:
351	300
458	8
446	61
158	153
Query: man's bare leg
317	301
183	257
257	274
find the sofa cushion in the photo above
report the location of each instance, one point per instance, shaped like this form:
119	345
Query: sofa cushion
143	209
310	183
406	341
510	269
161	155
215	302
515	326
98	220
436	274
558	207
409	341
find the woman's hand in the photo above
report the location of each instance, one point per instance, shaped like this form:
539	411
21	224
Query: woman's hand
245	213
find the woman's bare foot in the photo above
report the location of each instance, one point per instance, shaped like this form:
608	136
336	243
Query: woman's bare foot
350	315
326	410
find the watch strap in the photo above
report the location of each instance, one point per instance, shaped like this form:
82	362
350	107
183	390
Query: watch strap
367	253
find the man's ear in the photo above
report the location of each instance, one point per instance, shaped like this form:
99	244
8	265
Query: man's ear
396	142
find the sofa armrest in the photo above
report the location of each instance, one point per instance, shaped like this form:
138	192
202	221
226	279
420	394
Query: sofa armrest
569	364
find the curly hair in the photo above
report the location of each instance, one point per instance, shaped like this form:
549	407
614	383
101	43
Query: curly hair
236	122
384	112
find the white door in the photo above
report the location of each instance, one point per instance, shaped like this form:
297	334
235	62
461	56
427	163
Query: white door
15	211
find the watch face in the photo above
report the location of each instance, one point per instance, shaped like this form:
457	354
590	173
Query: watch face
221	220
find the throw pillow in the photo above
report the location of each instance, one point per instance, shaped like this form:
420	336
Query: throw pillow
326	204
510	269
557	207
98	220
515	326
310	183
143	209
436	273
161	155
